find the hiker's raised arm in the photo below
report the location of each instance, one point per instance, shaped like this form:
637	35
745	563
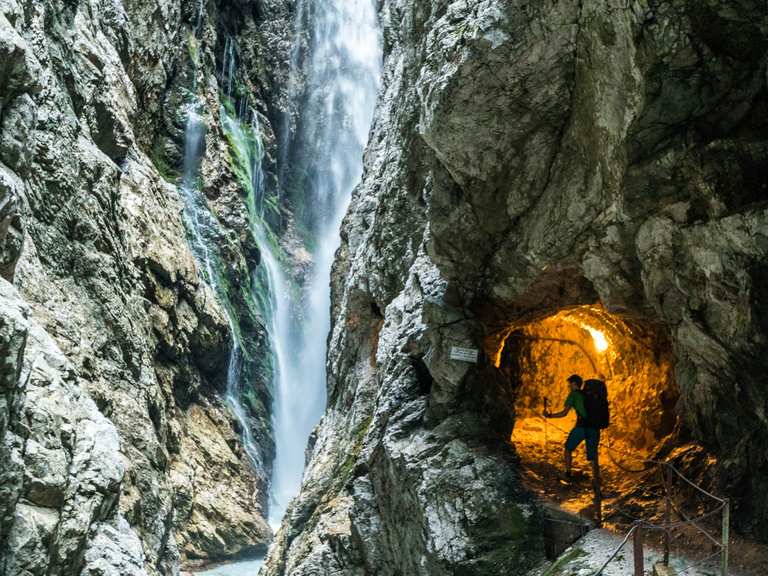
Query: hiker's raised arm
560	414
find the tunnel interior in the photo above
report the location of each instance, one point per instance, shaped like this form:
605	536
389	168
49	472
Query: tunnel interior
635	360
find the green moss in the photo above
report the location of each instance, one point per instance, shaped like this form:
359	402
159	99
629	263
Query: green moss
562	563
261	298
342	476
252	402
507	558
245	153
163	168
344	472
220	281
508	523
193	49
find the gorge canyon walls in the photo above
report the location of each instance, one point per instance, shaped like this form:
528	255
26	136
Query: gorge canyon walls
527	157
120	454
524	158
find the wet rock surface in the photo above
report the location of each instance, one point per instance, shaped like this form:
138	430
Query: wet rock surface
528	157
525	157
120	454
62	464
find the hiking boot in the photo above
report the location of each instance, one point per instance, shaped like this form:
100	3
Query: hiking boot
566	478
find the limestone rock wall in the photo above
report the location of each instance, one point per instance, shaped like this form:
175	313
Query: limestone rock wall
528	156
120	455
62	464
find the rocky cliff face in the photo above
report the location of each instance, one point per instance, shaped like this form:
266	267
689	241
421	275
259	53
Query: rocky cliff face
527	157
119	453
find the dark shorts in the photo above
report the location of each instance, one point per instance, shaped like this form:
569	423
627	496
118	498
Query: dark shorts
590	436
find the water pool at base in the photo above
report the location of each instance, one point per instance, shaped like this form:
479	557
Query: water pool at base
245	568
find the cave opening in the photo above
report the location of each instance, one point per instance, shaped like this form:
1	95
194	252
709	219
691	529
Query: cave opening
633	357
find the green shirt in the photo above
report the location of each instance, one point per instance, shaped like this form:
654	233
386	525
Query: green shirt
575	400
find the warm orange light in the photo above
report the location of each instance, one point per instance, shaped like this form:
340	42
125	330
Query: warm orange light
601	344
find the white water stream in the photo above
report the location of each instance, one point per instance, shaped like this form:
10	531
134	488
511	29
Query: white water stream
341	91
202	225
342	86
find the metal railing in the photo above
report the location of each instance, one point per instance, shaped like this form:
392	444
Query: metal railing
668	471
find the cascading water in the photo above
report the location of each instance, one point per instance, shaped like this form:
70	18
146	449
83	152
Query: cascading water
342	86
271	289
341	92
293	64
203	228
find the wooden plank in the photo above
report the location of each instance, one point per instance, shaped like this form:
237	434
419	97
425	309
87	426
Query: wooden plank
637	546
667	511
726	529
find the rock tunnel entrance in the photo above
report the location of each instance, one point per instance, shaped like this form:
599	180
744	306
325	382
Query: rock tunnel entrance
633	358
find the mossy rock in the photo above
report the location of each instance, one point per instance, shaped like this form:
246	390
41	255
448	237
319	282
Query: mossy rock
568	564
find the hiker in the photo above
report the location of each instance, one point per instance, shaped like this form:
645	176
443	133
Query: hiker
582	431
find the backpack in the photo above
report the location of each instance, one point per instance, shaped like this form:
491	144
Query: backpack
596	404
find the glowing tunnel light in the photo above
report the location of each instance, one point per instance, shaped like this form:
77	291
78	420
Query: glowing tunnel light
601	344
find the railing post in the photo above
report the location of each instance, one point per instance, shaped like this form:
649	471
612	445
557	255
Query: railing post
598	495
667	511
637	546
726	529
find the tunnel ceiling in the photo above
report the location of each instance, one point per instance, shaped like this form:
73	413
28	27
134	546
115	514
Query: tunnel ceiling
633	358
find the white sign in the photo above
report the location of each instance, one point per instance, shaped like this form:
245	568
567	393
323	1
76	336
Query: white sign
464	354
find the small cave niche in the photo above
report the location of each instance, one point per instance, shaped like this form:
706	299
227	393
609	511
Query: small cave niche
634	359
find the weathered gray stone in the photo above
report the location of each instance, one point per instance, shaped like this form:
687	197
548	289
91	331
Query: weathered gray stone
92	98
15	133
45	474
62	466
527	157
29	538
11	226
20	69
114	551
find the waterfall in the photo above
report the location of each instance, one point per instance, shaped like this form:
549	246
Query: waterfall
203	229
291	88
228	67
272	290
336	115
342	86
199	21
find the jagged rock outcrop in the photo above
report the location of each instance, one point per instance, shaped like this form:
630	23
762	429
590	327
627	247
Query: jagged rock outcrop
122	455
526	157
62	465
